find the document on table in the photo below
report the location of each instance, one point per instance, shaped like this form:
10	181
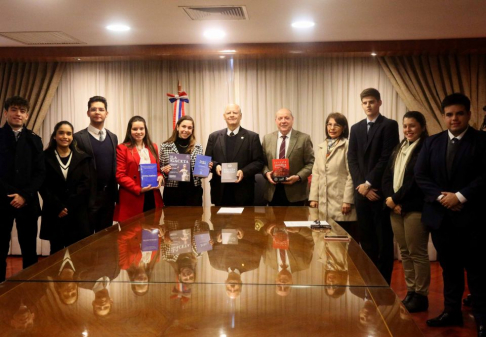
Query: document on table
230	210
303	223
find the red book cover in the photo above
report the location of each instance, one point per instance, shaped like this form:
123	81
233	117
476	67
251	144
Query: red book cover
280	239
281	169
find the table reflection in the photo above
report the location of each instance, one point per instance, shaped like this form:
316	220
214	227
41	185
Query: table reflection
252	274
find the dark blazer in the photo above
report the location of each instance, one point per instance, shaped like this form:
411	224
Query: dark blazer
368	155
468	177
249	155
71	193
22	168
84	144
409	196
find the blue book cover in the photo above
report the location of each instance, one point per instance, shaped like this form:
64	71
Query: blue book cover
180	167
202	242
150	240
148	174
201	168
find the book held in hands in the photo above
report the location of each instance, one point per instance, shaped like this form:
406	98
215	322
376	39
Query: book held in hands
201	168
180	167
148	175
181	241
202	242
281	169
228	172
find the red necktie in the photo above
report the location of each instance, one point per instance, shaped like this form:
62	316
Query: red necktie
281	154
283	258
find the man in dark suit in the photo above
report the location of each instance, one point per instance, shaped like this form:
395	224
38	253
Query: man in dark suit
234	144
451	170
297	147
100	144
371	143
22	172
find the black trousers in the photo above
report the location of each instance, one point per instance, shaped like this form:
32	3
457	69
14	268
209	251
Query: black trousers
101	212
375	234
26	220
461	247
280	198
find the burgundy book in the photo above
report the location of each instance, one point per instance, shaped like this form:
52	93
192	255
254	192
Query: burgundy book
281	169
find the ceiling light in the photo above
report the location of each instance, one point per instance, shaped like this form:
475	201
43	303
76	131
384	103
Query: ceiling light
373	54
118	28
303	24
222	56
214	34
228	51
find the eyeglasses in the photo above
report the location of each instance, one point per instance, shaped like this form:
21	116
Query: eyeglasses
331	126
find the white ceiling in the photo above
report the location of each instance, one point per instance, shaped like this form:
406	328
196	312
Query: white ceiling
164	22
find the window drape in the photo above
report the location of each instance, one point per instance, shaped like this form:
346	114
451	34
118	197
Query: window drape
424	81
35	81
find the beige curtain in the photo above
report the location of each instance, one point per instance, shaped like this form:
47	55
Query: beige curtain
35	81
423	81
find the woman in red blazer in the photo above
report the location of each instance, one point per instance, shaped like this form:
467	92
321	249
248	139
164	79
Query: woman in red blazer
136	149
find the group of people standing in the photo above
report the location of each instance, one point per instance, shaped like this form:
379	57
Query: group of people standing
373	185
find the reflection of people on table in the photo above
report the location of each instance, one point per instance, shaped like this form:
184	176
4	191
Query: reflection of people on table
334	256
184	264
65	284
139	265
296	258
96	269
235	259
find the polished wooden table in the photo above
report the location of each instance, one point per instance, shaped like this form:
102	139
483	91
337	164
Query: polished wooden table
106	286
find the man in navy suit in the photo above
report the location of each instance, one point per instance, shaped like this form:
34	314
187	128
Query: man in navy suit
371	143
451	170
234	144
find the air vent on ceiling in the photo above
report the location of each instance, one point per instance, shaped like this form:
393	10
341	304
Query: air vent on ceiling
216	12
41	38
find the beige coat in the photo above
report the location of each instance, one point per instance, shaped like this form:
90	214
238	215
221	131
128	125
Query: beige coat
332	184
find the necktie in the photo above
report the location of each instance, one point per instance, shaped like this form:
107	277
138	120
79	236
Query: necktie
283	259
451	153
232	134
17	135
101	136
370	125
281	153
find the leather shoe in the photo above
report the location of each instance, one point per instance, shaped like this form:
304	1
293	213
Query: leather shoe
418	303
446	319
409	296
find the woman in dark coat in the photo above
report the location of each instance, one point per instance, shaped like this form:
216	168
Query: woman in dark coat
65	190
405	200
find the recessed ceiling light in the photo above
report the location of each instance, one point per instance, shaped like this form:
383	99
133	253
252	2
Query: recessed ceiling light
222	56
373	54
214	34
228	51
303	24
118	28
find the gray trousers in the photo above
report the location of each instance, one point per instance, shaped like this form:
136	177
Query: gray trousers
413	237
